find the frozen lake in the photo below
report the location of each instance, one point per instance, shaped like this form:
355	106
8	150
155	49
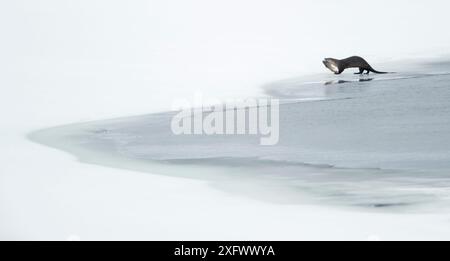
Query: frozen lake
372	141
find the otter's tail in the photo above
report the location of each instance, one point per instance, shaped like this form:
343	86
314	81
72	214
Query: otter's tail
375	71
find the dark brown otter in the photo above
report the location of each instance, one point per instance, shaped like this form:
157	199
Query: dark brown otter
338	66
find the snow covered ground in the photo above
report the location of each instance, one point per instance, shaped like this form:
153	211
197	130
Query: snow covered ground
72	61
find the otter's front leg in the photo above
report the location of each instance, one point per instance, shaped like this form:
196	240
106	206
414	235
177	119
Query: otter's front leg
340	71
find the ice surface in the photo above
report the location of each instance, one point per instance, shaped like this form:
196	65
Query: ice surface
372	141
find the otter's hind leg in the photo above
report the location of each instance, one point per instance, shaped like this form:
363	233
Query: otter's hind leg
367	71
361	70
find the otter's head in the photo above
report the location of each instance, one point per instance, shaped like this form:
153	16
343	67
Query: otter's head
332	64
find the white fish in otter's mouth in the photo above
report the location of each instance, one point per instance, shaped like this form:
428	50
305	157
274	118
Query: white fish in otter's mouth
330	64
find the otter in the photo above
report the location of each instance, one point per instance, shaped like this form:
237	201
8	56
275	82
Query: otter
338	66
